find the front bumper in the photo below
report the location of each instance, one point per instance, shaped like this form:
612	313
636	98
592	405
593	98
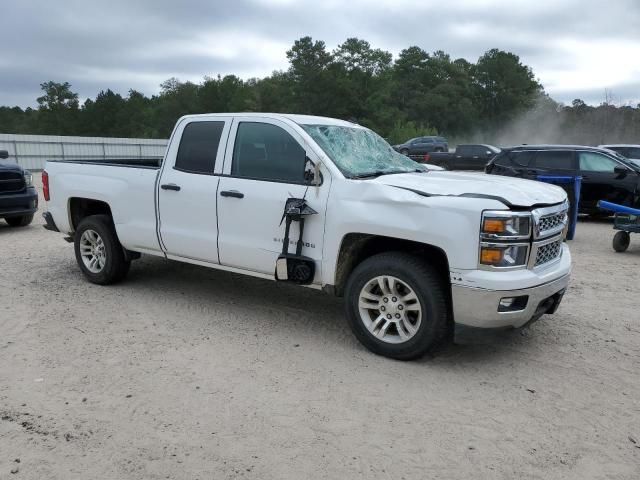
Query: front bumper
479	307
18	204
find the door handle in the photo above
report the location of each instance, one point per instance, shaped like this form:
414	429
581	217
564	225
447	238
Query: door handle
170	186
231	193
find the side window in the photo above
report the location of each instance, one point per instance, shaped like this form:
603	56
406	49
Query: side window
427	140
521	158
480	151
594	162
554	160
266	152
464	150
199	147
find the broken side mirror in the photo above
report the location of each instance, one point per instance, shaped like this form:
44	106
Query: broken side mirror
4	154
312	175
294	268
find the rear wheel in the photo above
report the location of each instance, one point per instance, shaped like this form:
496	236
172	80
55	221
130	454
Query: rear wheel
99	253
621	241
22	221
396	305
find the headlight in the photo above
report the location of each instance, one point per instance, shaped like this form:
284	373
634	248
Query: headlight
506	225
28	178
504	255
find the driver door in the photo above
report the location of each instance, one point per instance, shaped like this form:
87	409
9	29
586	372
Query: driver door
600	181
264	166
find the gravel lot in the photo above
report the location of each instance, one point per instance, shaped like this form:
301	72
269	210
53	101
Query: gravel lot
186	372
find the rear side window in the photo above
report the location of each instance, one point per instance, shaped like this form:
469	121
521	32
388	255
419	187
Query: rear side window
267	152
199	147
518	158
554	160
594	162
464	150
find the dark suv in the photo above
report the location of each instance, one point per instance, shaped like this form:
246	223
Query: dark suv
606	175
422	145
18	197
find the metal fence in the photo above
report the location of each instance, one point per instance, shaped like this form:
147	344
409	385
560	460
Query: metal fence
32	151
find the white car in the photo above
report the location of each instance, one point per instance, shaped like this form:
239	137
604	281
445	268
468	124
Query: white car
327	204
630	151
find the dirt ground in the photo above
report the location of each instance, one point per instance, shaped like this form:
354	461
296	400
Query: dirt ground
188	373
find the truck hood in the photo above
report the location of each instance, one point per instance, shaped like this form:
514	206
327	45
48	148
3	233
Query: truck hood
10	167
513	192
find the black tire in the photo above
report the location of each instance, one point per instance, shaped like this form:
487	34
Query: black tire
116	266
404	151
22	221
621	241
424	281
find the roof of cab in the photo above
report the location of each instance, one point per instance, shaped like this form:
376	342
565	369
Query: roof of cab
553	147
299	119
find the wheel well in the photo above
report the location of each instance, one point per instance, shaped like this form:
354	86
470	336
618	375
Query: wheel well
357	247
80	208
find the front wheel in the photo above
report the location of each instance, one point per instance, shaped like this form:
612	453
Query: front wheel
621	241
22	221
396	305
404	151
99	252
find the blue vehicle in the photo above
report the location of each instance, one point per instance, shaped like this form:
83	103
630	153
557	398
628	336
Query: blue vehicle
626	221
422	145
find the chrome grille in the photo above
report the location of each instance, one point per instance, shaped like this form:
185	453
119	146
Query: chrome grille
550	222
11	182
549	252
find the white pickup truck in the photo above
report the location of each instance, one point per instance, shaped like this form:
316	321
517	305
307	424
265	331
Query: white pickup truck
327	204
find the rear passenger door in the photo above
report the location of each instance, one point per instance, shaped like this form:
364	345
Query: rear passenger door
552	162
187	189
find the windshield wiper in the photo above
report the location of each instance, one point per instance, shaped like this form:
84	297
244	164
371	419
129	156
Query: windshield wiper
375	174
379	173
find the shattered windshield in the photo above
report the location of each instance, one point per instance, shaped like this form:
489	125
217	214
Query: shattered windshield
359	152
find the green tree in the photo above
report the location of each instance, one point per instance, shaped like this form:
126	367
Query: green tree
503	86
58	109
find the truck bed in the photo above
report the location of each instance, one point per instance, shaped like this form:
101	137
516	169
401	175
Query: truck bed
126	185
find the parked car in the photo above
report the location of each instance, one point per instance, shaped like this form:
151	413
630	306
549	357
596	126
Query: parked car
422	145
18	196
412	250
606	175
632	152
465	157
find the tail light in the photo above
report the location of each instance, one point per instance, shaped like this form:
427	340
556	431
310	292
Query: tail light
427	158
45	185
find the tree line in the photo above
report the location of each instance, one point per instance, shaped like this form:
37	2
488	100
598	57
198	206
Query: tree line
496	99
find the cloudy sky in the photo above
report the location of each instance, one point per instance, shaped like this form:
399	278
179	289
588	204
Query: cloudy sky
577	48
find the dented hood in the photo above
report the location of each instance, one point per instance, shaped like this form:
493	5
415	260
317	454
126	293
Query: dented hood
513	192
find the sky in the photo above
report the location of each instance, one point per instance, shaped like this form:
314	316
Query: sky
588	49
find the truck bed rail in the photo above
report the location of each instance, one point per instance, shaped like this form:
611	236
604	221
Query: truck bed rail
152	162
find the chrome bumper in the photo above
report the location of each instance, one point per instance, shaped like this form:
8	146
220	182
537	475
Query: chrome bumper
478	307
